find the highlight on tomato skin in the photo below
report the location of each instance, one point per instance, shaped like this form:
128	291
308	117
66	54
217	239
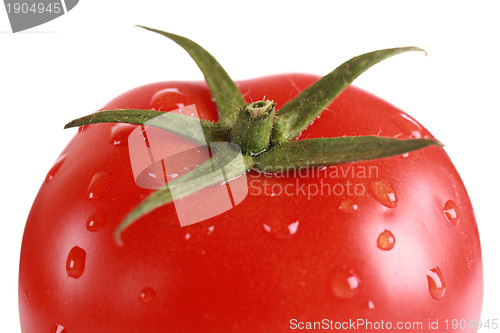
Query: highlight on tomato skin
391	239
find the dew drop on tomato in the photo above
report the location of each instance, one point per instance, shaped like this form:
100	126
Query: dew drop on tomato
97	220
386	240
368	306
75	263
384	193
52	172
58	329
451	211
119	134
99	185
169	99
147	295
196	233
410	126
345	284
280	229
348	206
436	283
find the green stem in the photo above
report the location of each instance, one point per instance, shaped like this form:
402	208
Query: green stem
258	140
332	151
224	91
226	159
297	114
194	129
253	126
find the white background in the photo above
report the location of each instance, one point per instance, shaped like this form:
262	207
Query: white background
73	65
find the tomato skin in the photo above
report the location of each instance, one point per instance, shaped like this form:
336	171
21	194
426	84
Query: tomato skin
270	259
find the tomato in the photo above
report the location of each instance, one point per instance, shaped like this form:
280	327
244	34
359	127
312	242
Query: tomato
387	242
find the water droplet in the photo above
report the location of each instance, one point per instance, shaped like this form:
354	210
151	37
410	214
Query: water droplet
147	295
451	211
292	227
386	240
435	279
405	155
75	264
58	329
169	99
195	233
411	127
120	133
99	185
55	168
97	220
348	206
384	193
345	284
281	230
368	306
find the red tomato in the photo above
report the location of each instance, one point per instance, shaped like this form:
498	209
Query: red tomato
391	241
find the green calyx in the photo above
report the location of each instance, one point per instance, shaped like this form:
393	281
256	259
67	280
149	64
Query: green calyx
253	127
252	136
